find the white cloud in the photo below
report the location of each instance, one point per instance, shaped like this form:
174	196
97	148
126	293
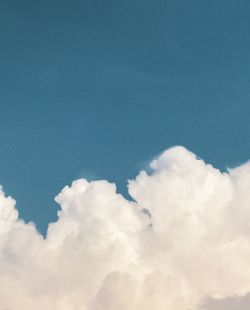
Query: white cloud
104	253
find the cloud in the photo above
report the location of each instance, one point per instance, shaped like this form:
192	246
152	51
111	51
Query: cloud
229	303
106	253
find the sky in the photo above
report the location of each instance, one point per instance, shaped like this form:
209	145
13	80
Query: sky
124	155
97	89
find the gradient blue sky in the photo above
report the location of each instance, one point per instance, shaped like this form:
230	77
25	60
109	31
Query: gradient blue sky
93	88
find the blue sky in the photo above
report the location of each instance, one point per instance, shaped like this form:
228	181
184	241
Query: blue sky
97	88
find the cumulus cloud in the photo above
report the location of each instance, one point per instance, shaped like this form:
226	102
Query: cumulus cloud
106	253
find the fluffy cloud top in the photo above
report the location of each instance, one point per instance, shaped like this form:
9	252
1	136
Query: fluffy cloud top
106	253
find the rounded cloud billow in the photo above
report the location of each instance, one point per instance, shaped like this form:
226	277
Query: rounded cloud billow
105	253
